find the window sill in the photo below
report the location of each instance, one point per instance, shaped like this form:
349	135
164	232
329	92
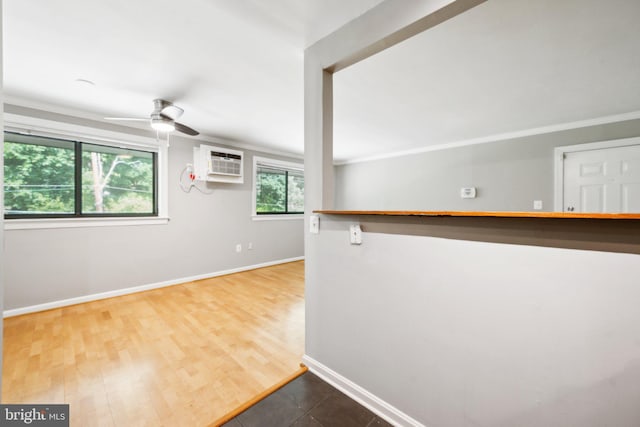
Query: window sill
276	217
41	223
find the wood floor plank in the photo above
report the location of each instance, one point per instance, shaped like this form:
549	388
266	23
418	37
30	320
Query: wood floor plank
182	355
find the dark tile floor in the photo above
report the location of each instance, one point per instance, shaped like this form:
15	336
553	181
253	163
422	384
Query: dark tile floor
307	401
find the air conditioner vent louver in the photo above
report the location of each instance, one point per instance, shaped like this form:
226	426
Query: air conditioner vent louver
225	164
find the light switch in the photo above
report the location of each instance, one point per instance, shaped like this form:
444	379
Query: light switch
314	224
355	235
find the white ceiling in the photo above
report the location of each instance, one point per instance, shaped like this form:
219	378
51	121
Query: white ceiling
502	67
236	67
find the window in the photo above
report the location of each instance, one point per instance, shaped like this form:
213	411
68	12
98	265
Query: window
56	178
278	187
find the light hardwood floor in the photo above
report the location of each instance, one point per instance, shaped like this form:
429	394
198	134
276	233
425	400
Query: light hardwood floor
184	355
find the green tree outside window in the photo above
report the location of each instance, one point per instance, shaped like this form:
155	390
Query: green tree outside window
279	190
41	176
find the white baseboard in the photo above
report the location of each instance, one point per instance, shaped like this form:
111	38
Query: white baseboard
134	289
360	395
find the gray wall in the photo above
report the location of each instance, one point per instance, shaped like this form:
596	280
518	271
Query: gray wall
462	322
54	264
509	175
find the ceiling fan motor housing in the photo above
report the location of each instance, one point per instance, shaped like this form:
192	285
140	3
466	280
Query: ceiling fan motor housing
166	108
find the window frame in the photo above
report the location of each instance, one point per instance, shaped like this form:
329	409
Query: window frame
93	136
276	164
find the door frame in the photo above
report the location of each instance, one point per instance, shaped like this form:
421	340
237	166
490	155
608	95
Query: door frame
558	156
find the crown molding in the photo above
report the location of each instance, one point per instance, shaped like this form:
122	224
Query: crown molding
633	115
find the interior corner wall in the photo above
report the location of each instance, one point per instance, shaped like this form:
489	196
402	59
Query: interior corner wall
46	265
508	175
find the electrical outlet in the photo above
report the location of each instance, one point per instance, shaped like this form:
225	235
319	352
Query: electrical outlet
238	247
250	246
537	205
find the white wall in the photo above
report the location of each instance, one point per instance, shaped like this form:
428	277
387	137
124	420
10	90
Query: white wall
47	265
508	175
454	332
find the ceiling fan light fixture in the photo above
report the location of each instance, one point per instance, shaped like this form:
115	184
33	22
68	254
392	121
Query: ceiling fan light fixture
163	125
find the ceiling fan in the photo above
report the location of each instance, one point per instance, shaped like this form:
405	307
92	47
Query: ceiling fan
163	118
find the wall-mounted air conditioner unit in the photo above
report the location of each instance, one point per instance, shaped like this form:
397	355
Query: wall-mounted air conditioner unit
217	164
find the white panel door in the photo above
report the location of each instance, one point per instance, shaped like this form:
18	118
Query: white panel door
604	180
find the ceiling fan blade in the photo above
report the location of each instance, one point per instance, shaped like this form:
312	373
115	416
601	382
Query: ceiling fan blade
133	119
172	111
186	129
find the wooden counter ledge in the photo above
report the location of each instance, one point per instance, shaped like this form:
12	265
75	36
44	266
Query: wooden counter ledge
493	214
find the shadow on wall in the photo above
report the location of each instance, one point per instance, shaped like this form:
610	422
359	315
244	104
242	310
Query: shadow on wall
612	401
613	235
